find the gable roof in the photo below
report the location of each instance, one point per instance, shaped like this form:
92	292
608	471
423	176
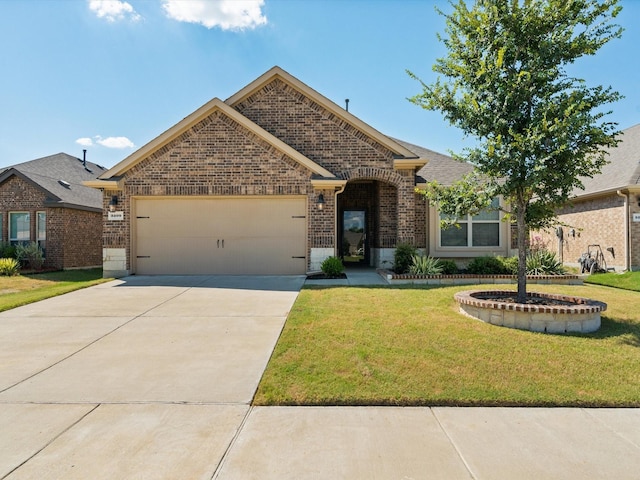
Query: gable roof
61	178
279	73
185	124
443	168
623	169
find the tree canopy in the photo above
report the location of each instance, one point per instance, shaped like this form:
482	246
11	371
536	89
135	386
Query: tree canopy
504	81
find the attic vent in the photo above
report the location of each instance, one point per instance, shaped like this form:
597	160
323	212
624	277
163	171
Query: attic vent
64	184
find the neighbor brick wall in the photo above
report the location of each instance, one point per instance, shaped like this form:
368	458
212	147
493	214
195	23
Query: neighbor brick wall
74	237
82	236
597	221
16	195
634	231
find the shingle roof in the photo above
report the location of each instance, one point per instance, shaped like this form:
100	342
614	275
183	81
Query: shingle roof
61	176
623	169
443	168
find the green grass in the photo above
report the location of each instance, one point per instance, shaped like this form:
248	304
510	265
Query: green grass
626	280
410	346
25	289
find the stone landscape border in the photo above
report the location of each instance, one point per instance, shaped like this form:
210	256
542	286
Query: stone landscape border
467	279
582	316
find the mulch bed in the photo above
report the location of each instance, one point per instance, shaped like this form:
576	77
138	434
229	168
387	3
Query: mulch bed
546	301
322	276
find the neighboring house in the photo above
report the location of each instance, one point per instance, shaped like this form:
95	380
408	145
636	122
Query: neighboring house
606	212
272	181
44	201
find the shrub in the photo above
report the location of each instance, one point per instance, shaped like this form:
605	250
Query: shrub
403	258
448	266
30	254
544	262
9	267
332	267
7	250
487	266
425	265
510	265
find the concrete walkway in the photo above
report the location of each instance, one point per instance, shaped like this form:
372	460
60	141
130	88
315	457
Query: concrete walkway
152	378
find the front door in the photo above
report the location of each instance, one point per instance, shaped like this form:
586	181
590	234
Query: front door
354	237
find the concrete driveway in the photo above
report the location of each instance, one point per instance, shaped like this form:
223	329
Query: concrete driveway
152	378
144	377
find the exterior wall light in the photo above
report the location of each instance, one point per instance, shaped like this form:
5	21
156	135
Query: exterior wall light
320	201
113	203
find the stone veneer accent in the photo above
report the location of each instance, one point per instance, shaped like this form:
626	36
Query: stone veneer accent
584	316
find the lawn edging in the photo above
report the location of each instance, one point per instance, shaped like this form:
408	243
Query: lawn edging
468	279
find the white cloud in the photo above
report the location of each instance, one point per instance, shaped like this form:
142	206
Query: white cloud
226	14
109	142
114	142
112	10
85	142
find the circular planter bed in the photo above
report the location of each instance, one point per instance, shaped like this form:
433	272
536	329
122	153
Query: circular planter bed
541	313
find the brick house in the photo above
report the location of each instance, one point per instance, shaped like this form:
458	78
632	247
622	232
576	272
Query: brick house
272	181
44	201
606	212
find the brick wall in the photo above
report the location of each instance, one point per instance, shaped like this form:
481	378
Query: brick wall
634	231
310	129
219	157
73	236
598	221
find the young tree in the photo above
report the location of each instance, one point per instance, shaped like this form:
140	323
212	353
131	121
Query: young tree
505	83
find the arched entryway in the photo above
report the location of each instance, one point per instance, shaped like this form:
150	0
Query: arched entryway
367	221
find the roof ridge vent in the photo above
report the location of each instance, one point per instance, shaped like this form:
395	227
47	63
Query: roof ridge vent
64	184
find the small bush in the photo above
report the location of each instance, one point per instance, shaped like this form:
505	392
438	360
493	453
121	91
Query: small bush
425	265
544	262
486	266
448	266
9	267
7	250
510	265
30	254
403	258
332	267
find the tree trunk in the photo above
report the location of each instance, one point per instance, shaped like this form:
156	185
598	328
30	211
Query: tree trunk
523	233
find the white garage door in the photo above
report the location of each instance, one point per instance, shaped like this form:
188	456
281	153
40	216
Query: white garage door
186	236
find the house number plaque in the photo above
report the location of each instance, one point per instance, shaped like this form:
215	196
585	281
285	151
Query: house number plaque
636	217
117	216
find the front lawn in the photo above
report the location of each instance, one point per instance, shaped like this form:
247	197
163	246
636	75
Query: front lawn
626	280
24	289
409	346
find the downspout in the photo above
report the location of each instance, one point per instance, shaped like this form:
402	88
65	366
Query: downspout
627	256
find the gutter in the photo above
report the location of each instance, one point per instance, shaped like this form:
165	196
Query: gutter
627	253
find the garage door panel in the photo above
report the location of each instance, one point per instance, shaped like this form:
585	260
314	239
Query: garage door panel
225	236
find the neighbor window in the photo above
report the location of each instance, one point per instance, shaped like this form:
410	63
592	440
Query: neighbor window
19	227
481	230
41	229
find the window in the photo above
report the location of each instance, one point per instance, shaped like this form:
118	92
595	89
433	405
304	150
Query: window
481	230
19	227
41	229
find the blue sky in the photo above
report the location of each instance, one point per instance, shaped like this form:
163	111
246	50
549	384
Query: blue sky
110	76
